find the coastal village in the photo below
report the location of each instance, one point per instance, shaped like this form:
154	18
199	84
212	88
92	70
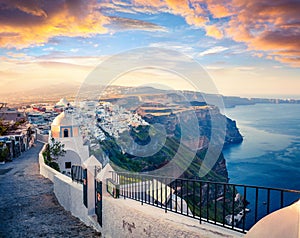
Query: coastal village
94	120
80	128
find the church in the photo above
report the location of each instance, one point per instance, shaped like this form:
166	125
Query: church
65	130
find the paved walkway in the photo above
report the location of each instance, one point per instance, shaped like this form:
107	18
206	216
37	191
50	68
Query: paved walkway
28	206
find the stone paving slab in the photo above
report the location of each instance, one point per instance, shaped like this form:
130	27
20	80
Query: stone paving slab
28	206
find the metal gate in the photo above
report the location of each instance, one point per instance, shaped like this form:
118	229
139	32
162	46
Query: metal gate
98	201
85	187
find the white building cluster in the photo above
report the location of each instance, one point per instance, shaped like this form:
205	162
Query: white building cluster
114	119
83	126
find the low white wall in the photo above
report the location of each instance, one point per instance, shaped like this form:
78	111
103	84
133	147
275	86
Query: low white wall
69	194
42	138
45	170
127	218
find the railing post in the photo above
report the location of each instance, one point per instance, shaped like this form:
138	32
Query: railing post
224	201
157	192
161	194
256	204
176	199
268	201
281	199
165	180
245	204
200	219
187	201
233	202
142	191
181	196
216	203
194	200
124	186
207	200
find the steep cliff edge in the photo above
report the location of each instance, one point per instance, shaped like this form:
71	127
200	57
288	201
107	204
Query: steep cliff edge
166	115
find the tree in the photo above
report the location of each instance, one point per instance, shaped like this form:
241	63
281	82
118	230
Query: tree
3	127
4	152
56	149
52	152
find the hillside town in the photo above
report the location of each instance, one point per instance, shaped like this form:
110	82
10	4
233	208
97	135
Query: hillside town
20	127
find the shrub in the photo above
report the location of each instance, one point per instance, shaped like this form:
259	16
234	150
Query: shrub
48	153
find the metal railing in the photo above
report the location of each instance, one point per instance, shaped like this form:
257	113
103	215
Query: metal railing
234	206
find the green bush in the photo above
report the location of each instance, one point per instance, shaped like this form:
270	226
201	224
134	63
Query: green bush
4	152
49	160
54	165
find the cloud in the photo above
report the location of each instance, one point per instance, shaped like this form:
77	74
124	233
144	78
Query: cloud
274	28
214	50
262	25
17	75
16	55
183	48
214	32
26	23
127	23
268	27
218	10
74	50
191	11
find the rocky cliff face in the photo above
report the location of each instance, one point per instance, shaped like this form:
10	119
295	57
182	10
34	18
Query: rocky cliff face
203	114
158	113
233	135
164	109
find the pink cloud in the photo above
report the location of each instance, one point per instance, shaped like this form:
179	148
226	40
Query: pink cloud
271	27
25	23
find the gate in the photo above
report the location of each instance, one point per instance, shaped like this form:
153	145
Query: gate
98	201
85	187
77	173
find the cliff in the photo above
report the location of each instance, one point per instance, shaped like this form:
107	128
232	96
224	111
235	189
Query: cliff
166	115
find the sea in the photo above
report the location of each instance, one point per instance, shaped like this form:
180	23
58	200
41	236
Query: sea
269	155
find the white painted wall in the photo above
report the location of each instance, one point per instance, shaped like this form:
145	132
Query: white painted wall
70	156
69	194
128	218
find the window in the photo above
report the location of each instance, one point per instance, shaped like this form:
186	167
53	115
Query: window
68	165
66	133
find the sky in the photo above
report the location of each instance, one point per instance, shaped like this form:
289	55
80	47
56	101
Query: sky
248	48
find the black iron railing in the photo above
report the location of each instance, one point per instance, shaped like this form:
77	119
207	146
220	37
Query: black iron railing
234	206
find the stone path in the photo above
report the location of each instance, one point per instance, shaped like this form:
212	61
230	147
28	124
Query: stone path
28	206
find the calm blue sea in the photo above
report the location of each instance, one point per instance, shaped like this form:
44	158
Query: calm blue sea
270	153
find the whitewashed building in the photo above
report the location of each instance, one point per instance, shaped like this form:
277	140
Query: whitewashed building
65	130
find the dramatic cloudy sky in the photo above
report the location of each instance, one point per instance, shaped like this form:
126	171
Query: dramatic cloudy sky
249	48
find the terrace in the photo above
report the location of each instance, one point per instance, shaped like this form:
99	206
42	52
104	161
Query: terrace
231	206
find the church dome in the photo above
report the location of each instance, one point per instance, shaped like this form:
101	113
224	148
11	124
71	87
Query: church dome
63	119
63	102
63	126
